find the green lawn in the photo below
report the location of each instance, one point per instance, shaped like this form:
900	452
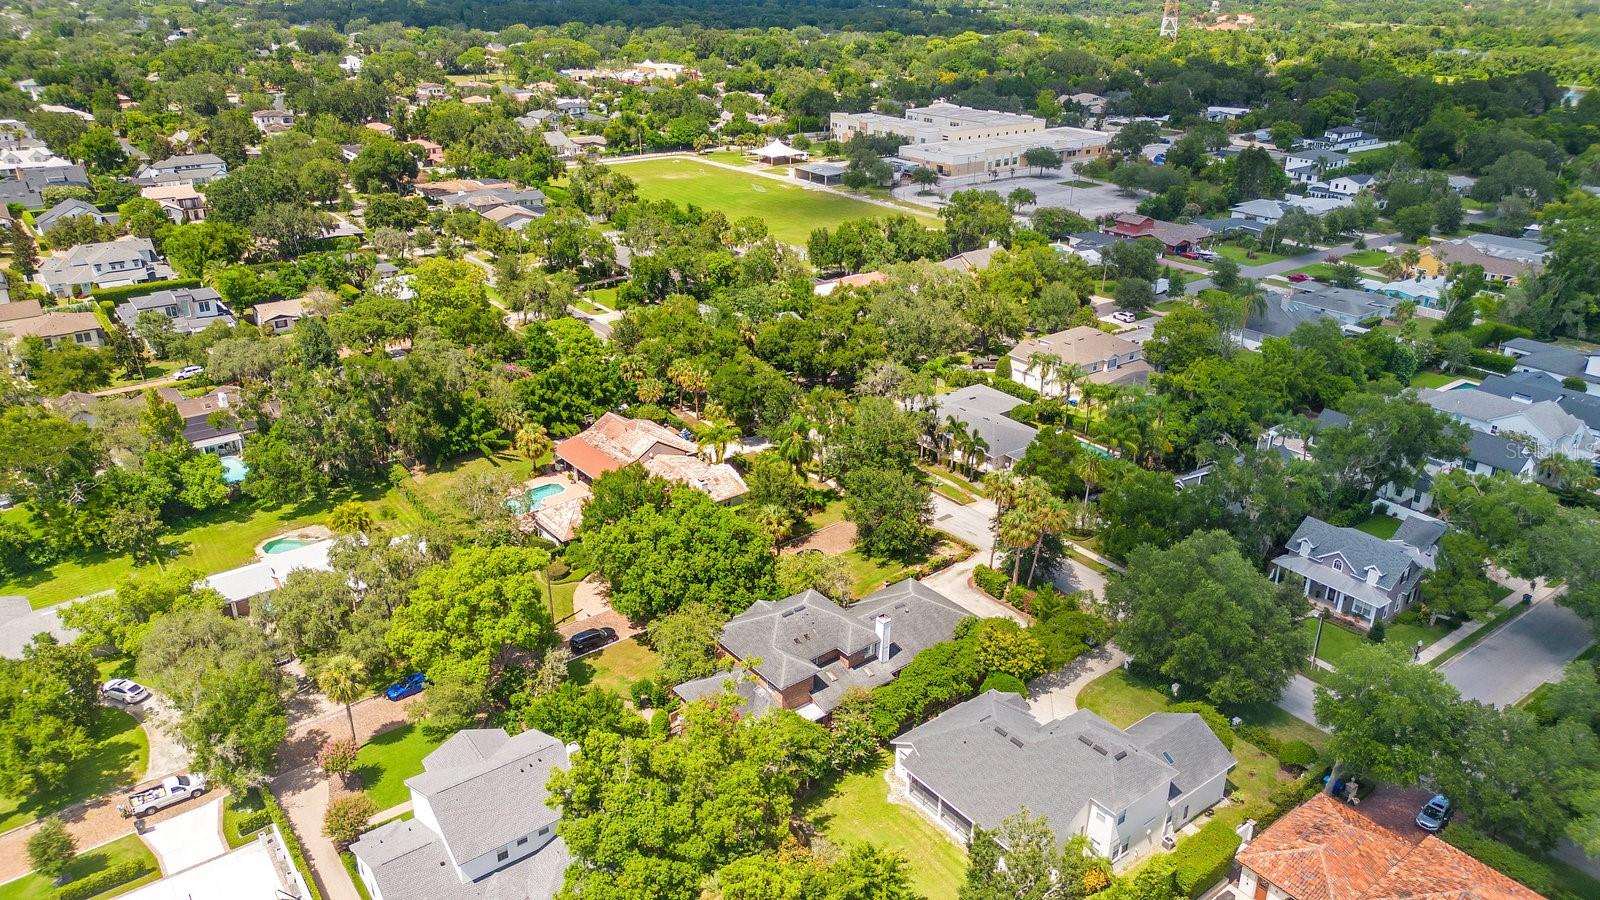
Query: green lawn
1379	526
791	211
118	760
226	538
606	297
616	667
1367	259
236	807
160	368
385	762
36	887
1238	255
1337	640
1433	380
855	809
731	157
1320	271
1122	700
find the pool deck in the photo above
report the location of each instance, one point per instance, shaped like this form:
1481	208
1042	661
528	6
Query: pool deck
573	492
310	534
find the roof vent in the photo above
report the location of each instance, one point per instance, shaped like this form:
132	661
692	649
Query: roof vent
1084	740
1100	750
1168	757
1017	742
1121	754
1001	731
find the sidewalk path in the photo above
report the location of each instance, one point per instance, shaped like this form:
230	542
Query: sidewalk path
304	795
1468	629
1054	695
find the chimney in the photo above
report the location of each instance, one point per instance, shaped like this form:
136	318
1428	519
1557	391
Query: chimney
222	399
881	625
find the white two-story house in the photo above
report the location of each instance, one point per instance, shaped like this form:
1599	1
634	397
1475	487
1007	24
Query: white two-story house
124	261
1358	576
481	827
1125	790
1099	357
1545	428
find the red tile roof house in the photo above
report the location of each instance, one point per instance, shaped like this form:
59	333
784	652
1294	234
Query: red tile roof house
1327	850
615	441
1174	238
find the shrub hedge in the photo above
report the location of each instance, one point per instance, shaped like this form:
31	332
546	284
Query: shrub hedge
118	294
1262	738
1000	681
292	843
1298	754
991	581
1204	858
1492	362
941	675
1503	858
104	880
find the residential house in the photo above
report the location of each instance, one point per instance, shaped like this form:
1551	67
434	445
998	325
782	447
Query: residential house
192	169
1343	187
1549	429
972	261
35	155
1420	289
805	652
537	119
25	318
68	209
614	441
1563	363
126	260
572	107
382	128
32	88
1225	113
1102	358
860	279
351	65
1533	387
1093	104
481	826
981	410
1286	310
427	91
273	121
211	423
190	309
1292	443
1174	238
279	315
432	154
1502	260
1271	212
1358	576
60	110
1125	790
29	185
181	202
663	71
1308	166
564	146
1344	139
1326	849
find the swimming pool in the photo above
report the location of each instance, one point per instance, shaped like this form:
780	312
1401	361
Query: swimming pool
533	498
285	544
1096	449
233	470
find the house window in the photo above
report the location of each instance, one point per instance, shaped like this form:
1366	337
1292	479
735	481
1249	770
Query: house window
84	337
1122	817
524	840
502	856
1338	565
1120	851
545	830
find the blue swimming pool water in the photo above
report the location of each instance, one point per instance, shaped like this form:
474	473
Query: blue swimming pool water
234	470
281	545
533	498
1096	450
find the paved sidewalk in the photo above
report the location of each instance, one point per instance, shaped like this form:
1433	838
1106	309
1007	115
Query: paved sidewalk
1437	648
1055	694
304	795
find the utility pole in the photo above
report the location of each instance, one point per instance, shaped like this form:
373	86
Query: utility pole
1169	20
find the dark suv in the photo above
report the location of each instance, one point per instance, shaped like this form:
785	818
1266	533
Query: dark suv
591	639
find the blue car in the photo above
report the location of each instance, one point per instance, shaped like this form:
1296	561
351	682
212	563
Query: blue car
1434	815
405	687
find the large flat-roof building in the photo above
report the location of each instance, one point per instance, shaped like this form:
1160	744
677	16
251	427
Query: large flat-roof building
1002	156
957	141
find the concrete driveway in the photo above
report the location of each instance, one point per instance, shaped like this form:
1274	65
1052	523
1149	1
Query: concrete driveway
1529	651
19	622
189	838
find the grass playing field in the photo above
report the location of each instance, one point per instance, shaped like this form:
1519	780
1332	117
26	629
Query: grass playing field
791	211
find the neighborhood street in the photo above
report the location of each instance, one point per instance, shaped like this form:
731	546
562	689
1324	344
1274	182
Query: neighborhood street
1527	652
1289	264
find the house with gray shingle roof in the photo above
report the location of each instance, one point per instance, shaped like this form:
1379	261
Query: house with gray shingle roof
481	827
1354	574
1550	430
1124	789
982	409
68	209
806	651
1556	361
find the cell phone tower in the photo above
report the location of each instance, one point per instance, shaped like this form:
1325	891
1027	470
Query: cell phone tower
1169	20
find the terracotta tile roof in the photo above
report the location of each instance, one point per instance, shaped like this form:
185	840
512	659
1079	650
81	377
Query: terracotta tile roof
1326	850
615	441
1081	345
720	482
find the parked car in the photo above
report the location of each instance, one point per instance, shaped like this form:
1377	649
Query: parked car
1189	254
591	639
188	372
172	790
1434	814
405	687
1299	277
1206	255
1125	317
124	691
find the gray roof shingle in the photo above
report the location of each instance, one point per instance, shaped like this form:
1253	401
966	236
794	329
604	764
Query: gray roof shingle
487	789
984	409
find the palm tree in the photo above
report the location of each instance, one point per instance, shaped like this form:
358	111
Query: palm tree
534	443
690	378
977	449
954	432
715	435
343	680
1051	517
1019	531
795	445
1090	466
1045	365
1004	489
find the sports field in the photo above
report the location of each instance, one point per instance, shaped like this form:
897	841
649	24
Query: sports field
791	211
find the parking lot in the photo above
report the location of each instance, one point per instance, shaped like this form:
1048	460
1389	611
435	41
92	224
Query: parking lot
1055	190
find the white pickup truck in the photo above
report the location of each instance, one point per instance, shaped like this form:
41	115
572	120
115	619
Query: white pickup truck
171	790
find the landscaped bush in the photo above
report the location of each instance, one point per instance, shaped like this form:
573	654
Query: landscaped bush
1204	858
1262	738
119	294
1000	681
251	822
1485	333
346	817
1492	362
1285	797
1503	858
940	676
104	880
991	581
1298	754
1213	716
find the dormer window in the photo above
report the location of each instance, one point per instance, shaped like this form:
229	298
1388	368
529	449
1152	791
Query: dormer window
1338	565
